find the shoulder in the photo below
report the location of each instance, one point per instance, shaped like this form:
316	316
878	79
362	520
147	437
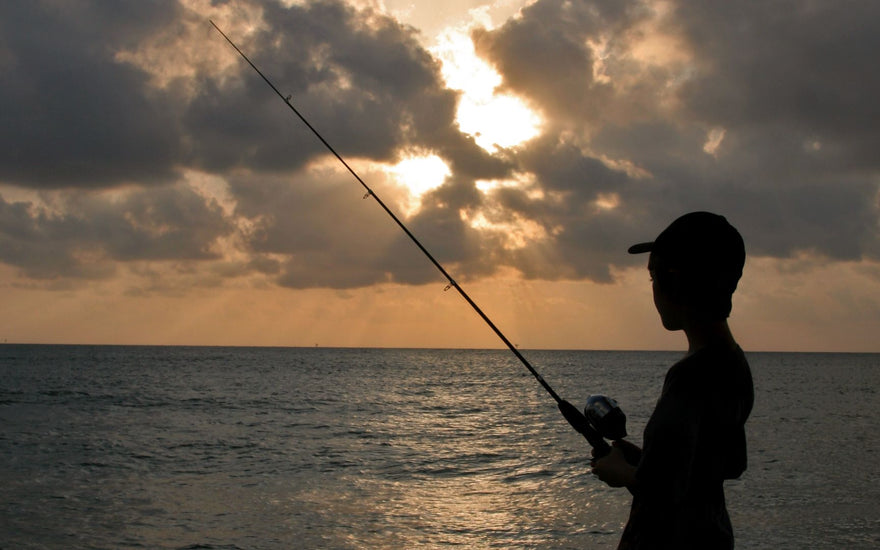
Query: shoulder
715	360
723	369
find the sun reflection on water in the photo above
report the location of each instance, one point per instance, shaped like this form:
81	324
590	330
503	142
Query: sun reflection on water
468	458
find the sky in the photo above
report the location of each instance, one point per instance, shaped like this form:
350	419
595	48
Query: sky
154	190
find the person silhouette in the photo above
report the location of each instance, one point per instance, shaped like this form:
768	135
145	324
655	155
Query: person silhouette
695	438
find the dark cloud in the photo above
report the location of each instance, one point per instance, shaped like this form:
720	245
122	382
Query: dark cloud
559	55
73	116
805	66
321	227
83	236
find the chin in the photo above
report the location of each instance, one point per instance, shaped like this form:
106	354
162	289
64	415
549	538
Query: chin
670	324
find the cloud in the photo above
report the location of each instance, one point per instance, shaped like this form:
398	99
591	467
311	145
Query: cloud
85	236
375	90
73	116
647	85
101	96
113	96
317	226
761	111
330	234
802	66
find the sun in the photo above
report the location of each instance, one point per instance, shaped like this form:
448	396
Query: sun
495	120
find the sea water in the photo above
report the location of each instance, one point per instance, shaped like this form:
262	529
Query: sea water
277	448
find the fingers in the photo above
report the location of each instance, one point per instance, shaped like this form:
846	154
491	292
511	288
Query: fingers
599	473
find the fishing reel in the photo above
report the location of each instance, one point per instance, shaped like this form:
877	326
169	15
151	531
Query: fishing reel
604	415
602	419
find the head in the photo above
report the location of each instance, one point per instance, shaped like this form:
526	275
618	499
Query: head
695	265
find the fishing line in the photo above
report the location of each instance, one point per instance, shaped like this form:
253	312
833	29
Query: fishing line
577	420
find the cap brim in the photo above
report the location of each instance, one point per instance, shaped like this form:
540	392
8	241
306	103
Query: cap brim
641	248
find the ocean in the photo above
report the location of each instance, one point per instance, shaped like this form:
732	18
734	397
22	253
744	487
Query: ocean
117	447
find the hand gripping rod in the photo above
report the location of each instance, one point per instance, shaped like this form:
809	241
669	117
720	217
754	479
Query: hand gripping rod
569	411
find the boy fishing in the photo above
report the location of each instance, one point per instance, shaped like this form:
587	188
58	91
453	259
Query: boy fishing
695	438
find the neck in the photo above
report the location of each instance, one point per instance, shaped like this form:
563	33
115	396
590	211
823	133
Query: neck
703	334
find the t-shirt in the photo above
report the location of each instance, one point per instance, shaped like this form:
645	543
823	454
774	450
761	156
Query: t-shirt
694	440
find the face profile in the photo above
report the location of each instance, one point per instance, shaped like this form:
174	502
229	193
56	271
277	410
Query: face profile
665	304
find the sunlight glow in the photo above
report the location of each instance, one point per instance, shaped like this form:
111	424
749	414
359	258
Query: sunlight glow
600	51
625	166
487	186
493	119
713	141
418	175
521	181
607	201
517	234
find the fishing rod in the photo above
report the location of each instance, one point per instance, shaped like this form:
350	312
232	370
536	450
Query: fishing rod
602	415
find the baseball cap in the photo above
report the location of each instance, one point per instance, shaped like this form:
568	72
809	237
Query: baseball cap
698	243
